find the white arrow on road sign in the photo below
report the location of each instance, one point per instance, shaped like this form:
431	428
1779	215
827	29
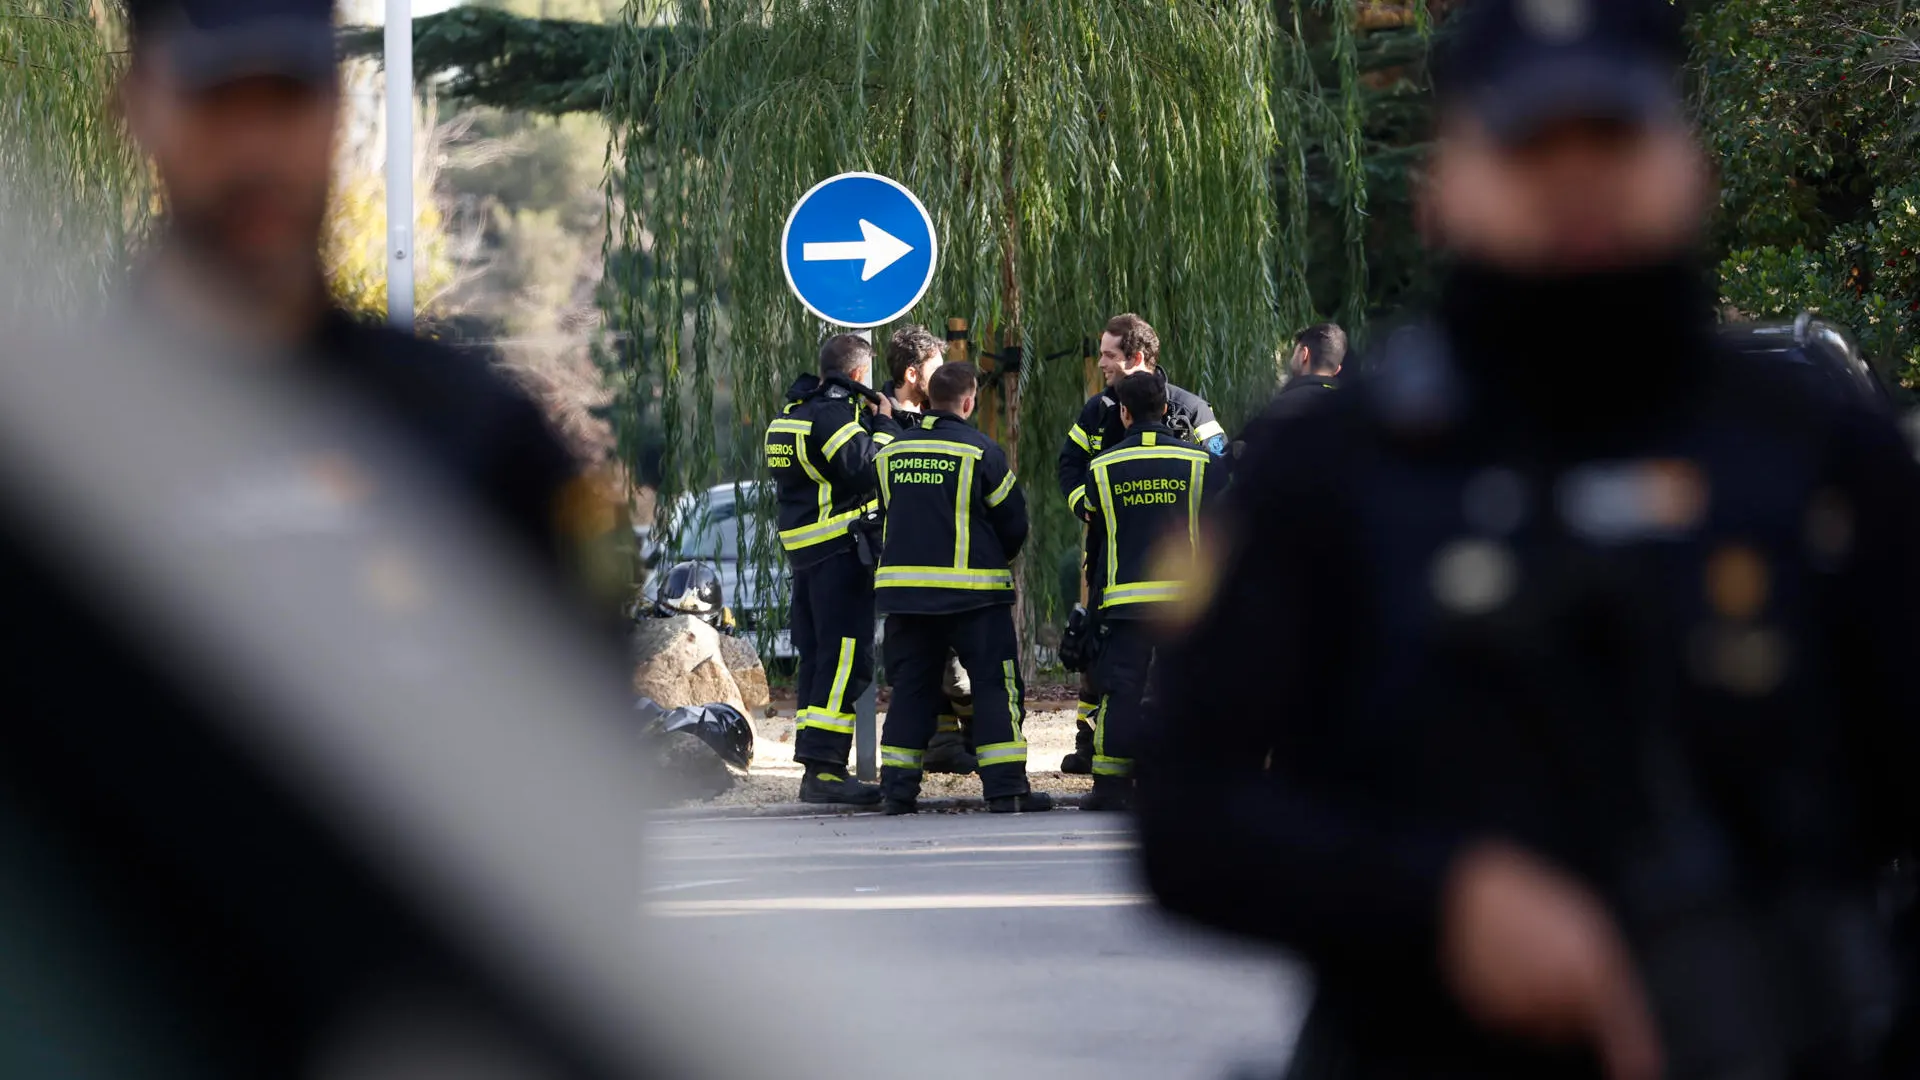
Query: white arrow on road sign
878	247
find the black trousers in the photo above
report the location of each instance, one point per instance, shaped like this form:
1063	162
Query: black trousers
1125	663
833	633
917	647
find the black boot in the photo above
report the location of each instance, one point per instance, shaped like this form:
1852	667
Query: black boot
1109	793
830	786
897	807
1032	802
947	753
1080	762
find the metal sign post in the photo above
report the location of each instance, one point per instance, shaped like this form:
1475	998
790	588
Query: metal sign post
866	716
859	251
399	40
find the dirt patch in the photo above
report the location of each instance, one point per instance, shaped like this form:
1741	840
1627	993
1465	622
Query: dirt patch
775	777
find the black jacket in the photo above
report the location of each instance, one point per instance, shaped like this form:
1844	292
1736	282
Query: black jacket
956	519
1301	394
1099	426
820	452
1446	618
1144	490
904	415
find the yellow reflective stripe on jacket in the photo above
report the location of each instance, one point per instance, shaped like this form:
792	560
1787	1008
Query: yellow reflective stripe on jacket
1012	753
1197	482
963	516
882	438
1005	489
937	446
840	438
1076	497
1143	592
899	757
1161	452
1079	438
1103	493
1208	430
798	427
822	531
940	577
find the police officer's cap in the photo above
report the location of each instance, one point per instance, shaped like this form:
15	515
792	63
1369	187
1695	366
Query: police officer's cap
210	42
1520	65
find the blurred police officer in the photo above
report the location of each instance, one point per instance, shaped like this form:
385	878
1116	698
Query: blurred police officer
956	519
237	102
820	452
1146	492
913	355
1127	346
1590	702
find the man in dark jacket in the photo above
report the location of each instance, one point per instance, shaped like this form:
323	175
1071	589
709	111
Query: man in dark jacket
956	519
1319	352
1312	373
820	452
1128	346
1589	702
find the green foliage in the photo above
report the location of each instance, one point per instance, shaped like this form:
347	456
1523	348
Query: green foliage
489	56
1080	157
1351	85
73	192
1811	108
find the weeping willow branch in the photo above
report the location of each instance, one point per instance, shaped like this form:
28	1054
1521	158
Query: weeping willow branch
71	188
1080	158
486	56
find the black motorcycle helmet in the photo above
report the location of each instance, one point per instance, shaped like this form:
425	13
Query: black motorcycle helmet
691	588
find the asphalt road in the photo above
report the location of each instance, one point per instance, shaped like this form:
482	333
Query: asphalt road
944	945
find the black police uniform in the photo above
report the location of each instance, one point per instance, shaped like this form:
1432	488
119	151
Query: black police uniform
1098	426
190	917
1145	492
820	452
1471	615
956	519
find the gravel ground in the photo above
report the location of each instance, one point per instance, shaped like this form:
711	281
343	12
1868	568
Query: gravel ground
775	777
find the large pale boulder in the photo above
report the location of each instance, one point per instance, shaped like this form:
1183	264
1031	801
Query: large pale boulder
678	661
749	674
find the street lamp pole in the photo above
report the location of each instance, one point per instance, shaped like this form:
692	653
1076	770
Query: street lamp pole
399	41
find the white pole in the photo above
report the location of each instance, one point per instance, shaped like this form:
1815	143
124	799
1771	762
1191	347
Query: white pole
400	163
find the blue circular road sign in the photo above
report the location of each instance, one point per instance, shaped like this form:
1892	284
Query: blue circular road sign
859	250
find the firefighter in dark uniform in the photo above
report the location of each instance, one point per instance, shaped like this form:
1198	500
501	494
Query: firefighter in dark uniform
1144	510
956	518
820	452
1128	345
913	355
1565	725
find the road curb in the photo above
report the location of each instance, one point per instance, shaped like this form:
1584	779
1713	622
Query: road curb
960	805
